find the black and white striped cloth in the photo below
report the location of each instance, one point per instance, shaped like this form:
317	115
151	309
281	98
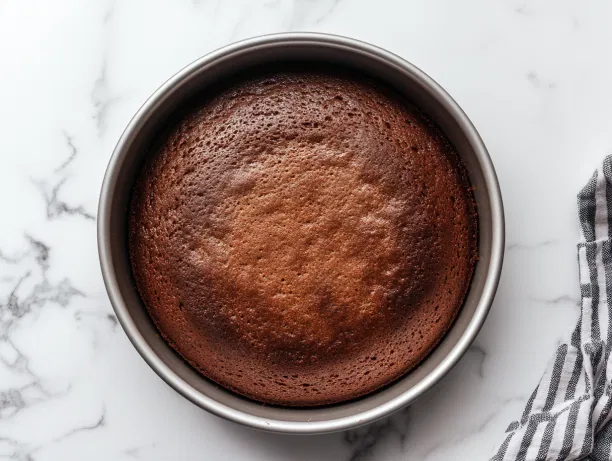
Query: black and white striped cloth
567	416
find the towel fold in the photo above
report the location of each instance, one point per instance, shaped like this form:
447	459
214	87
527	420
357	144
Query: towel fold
567	416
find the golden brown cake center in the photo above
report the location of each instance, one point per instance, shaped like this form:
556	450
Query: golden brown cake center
310	238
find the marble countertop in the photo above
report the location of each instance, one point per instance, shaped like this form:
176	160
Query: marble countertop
533	76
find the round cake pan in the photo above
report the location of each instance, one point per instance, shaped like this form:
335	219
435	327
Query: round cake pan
134	146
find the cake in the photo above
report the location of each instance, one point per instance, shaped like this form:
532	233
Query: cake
302	237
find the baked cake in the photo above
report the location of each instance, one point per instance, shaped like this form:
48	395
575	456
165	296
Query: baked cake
303	237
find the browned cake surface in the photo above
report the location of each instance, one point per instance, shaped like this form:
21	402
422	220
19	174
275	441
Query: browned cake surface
303	238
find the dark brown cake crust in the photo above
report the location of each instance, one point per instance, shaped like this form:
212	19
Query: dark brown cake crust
303	238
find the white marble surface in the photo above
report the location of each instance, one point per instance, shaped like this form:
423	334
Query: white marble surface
533	76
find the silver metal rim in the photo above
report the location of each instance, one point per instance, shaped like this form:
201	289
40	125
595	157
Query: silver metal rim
314	427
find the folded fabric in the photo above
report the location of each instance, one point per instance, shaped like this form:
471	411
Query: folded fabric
567	416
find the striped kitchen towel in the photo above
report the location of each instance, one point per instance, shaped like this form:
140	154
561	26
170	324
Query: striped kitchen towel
567	416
